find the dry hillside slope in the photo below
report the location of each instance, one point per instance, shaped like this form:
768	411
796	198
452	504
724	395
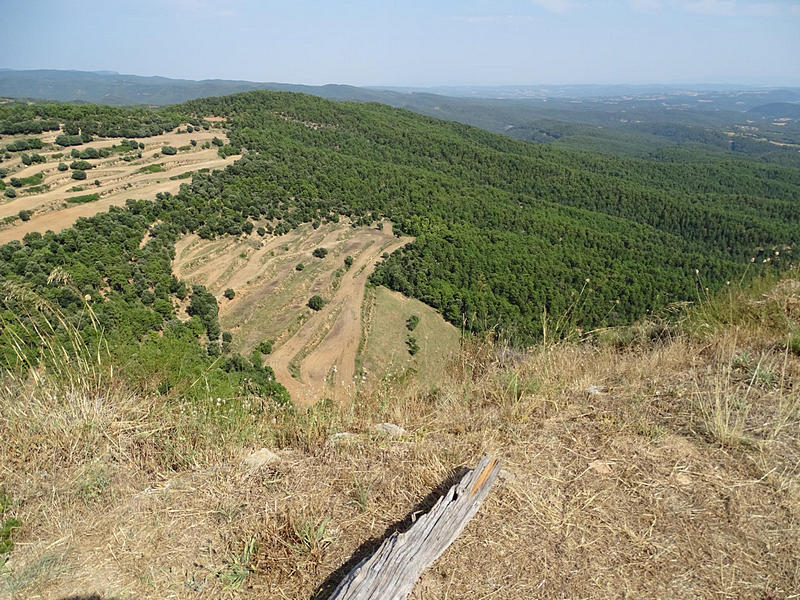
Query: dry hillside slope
659	461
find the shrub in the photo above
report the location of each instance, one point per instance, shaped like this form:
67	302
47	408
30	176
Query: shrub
299	267
62	167
80	165
348	261
320	252
412	322
79	175
83	199
316	303
412	345
10	193
69	140
169	150
265	347
229	294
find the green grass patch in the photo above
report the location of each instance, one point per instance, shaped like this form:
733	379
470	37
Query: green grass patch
83	199
38	189
32	180
186	175
77	188
389	351
156	168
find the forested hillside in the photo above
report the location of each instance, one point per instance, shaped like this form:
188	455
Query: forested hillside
505	231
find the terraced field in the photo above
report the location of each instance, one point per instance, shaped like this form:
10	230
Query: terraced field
315	354
54	208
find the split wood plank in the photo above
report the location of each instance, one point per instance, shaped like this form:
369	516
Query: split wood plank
390	573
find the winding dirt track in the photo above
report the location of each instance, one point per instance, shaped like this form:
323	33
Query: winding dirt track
339	326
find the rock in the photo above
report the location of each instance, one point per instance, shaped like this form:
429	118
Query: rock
601	466
594	390
261	458
506	476
389	429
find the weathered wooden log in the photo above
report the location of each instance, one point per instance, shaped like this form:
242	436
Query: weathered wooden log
390	573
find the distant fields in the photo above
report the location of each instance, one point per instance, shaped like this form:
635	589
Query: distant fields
52	202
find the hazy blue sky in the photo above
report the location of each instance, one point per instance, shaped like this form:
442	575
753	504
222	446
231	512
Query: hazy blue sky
413	42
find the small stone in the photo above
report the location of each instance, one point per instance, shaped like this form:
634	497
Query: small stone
389	429
594	390
506	476
342	436
261	458
600	466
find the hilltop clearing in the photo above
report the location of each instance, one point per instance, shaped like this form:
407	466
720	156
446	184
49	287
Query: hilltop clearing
654	461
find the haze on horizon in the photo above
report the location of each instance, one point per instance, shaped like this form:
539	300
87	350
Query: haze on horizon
415	43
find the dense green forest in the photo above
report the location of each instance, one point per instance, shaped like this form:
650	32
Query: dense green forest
505	231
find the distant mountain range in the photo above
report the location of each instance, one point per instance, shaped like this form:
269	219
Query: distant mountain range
110	87
105	87
632	120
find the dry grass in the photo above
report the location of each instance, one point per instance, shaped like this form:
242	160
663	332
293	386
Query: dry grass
675	476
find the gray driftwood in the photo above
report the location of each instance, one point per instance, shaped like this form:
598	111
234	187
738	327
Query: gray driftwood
390	573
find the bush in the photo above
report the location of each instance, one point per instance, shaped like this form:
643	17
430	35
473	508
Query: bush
412	345
265	347
348	261
10	193
299	267
62	167
25	215
169	150
316	303
229	294
69	140
412	322
79	175
320	252
80	165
